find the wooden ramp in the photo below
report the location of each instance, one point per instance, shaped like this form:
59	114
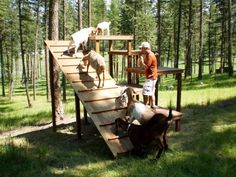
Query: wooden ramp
99	103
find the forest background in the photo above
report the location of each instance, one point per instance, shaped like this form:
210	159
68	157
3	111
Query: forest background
198	36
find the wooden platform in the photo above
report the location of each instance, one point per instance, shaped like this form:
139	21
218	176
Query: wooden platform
99	103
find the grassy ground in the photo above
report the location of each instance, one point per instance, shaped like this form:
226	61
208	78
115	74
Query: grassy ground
205	146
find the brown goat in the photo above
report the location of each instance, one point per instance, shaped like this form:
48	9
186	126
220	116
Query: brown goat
97	62
153	131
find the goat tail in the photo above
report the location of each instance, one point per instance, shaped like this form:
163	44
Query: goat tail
170	116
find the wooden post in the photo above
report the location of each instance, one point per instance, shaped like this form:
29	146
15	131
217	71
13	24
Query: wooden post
156	91
97	47
85	116
129	49
178	104
78	118
137	75
52	87
110	59
179	87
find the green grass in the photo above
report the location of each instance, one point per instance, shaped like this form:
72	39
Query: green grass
205	146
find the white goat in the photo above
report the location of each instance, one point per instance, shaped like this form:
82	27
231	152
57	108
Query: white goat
97	62
137	110
81	38
101	27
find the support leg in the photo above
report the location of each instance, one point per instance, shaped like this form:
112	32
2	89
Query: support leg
78	118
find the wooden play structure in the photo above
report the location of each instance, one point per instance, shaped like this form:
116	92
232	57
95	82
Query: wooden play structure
100	102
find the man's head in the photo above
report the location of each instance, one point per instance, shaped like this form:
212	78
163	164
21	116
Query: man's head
145	46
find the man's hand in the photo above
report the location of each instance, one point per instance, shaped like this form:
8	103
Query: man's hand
141	61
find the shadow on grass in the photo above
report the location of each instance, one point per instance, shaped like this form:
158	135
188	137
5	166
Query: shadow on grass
49	153
204	147
5	105
9	122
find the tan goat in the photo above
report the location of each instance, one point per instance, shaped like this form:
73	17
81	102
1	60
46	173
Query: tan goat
97	62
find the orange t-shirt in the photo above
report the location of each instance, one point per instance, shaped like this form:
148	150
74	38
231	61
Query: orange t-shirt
151	62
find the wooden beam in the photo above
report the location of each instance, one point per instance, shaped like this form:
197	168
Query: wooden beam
108	110
78	117
97	89
117	137
112	37
101	99
89	80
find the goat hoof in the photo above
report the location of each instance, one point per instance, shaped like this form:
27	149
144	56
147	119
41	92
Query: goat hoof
168	150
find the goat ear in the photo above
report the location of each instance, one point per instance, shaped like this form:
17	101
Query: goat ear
134	91
124	91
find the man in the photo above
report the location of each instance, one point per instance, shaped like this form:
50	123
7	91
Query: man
150	67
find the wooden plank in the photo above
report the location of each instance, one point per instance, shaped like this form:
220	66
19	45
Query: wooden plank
107	124
111	37
161	70
100	94
80	72
117	137
91	77
107	110
101	99
69	58
124	52
96	89
90	80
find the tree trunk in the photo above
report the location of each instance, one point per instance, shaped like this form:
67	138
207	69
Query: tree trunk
168	50
80	17
200	60
229	56
47	53
223	38
10	70
57	109
34	67
210	51
25	79
178	35
188	58
64	37
2	67
159	30
89	13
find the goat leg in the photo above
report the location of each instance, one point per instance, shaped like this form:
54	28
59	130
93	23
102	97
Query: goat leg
161	148
116	126
164	141
88	67
103	78
99	80
70	44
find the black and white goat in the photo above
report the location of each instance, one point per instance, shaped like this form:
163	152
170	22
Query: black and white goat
136	109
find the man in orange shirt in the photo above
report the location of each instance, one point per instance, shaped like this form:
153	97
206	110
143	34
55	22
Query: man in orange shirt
150	66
